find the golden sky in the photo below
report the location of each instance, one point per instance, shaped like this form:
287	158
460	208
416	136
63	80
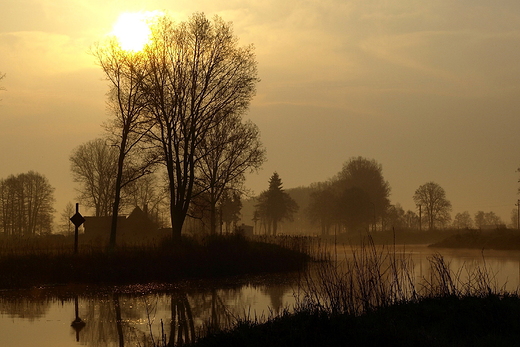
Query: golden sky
431	90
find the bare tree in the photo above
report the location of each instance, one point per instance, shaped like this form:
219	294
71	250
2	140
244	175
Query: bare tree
66	225
196	76
229	150
124	71
94	166
26	203
435	205
487	220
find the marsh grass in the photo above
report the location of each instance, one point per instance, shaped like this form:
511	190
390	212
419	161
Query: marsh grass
374	297
37	263
375	277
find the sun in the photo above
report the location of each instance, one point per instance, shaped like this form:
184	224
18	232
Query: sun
133	29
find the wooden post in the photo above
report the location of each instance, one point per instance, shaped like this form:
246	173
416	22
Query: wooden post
76	232
77	220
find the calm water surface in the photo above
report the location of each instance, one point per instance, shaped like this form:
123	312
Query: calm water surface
142	315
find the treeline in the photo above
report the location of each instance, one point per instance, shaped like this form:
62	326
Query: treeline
26	205
357	199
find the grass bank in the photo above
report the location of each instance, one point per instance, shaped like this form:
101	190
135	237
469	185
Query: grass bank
446	321
375	298
213	257
501	239
395	236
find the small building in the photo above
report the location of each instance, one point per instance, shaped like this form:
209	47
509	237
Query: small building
134	228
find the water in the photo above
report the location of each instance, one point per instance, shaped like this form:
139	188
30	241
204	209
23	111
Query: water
142	315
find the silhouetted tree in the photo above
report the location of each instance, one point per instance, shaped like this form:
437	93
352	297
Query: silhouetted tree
355	208
229	150
463	220
275	205
26	204
436	208
395	217
230	206
94	166
196	76
66	225
322	207
126	101
367	175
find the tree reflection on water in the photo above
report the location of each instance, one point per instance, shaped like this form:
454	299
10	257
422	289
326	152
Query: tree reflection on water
141	316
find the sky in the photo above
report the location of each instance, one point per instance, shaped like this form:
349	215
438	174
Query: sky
430	90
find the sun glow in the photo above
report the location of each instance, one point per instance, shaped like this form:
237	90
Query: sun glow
133	29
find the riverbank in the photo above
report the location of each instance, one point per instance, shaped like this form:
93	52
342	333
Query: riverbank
501	239
374	298
446	321
215	257
390	237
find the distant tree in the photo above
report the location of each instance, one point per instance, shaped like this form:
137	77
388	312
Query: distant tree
230	206
514	218
26	204
492	219
94	166
463	220
395	217
355	209
411	220
487	220
275	205
480	219
66	226
322	209
229	150
436	208
367	175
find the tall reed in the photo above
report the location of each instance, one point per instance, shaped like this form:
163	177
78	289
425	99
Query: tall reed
373	277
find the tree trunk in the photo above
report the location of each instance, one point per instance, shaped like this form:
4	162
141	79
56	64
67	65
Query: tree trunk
177	223
212	216
117	198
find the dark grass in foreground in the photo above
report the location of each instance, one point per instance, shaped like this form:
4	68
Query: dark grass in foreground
374	298
447	321
212	258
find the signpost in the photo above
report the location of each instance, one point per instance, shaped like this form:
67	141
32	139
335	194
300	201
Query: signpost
77	220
